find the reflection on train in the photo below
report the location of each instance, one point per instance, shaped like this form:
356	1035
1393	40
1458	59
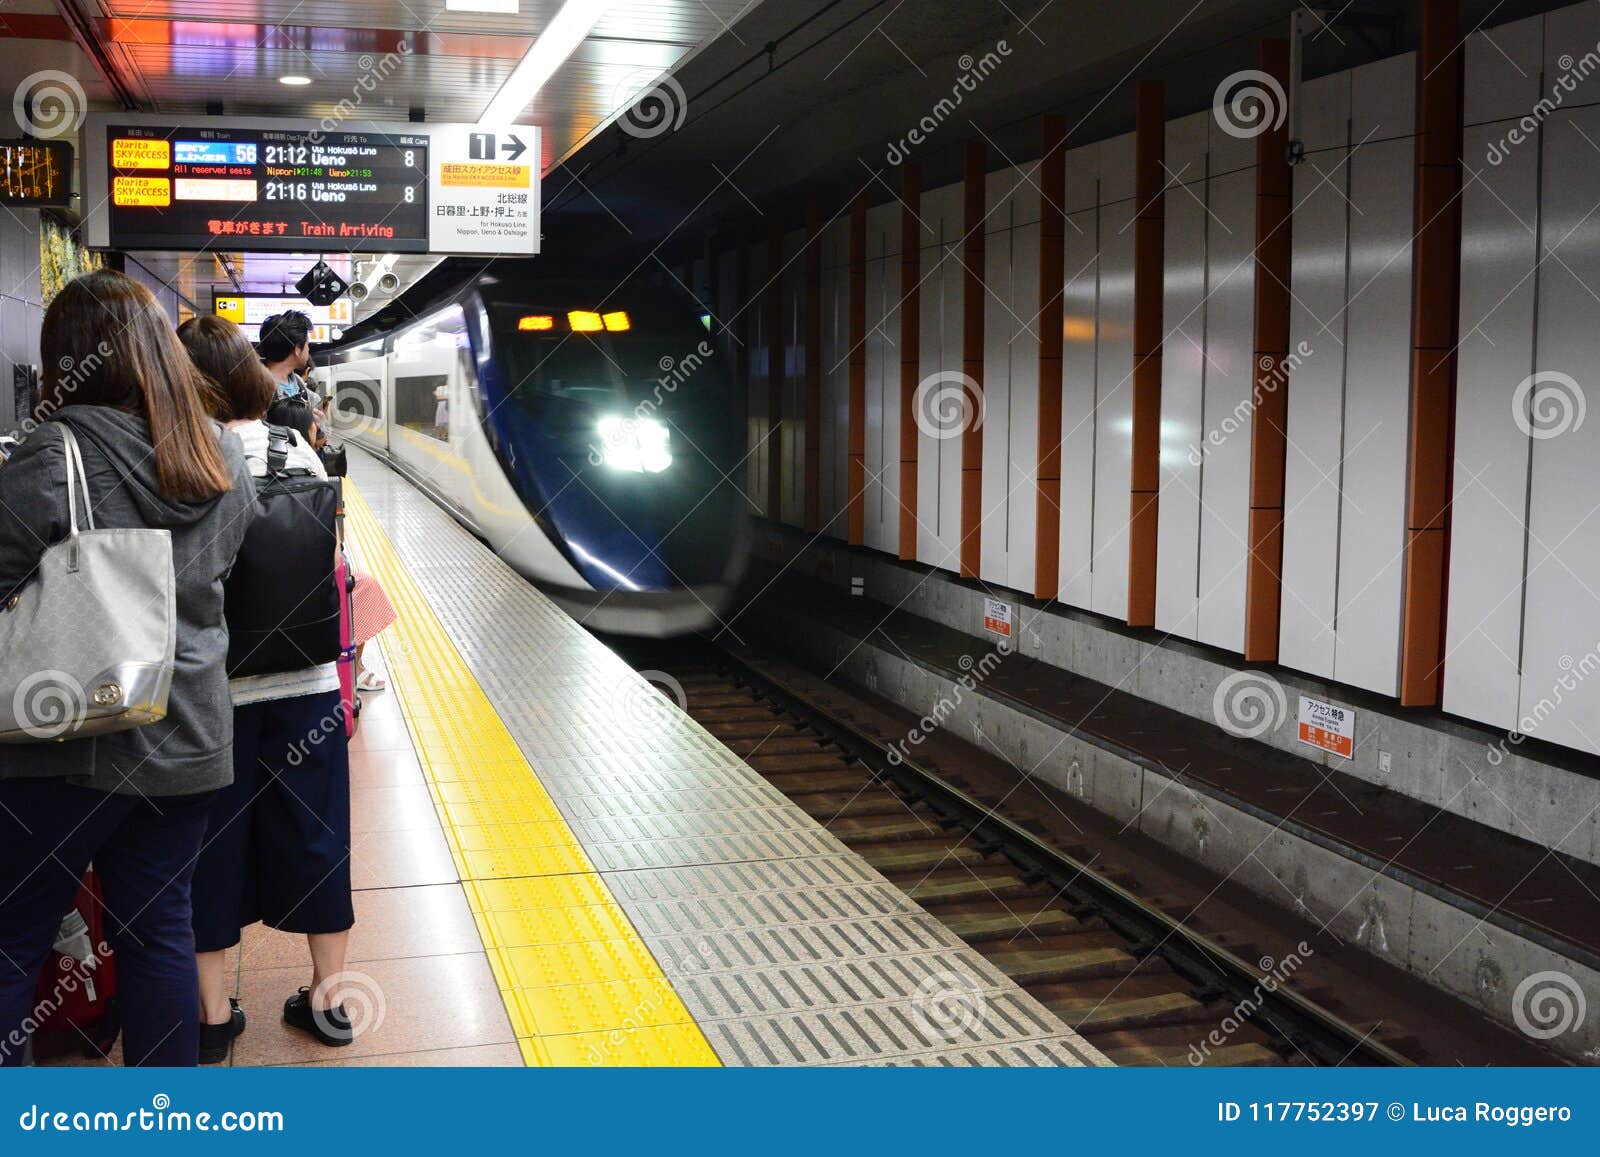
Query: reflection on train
590	443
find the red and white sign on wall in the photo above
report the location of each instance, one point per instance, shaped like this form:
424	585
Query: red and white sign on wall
997	617
1328	726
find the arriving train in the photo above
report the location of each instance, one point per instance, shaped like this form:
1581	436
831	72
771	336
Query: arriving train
587	433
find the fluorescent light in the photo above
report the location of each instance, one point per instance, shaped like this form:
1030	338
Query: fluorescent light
497	7
558	41
297	81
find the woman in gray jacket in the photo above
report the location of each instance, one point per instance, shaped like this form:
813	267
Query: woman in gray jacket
135	802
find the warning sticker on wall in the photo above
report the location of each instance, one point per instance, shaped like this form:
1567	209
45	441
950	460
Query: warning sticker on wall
997	617
1328	726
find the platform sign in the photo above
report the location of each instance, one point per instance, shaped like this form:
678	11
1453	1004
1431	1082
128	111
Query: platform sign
249	310
1328	726
257	185
997	617
484	189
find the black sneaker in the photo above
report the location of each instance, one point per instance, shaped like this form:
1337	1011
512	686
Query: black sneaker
216	1039
330	1026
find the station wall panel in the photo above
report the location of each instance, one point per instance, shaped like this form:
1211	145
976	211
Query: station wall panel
1183	362
1499	284
835	374
939	459
1080	369
1113	425
759	349
794	383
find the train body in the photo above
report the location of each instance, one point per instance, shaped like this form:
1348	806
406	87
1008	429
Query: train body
587	434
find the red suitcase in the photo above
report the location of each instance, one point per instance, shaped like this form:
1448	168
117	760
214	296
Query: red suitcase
75	1010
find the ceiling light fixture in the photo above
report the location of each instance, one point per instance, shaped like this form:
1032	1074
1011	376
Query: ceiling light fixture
558	41
495	7
296	81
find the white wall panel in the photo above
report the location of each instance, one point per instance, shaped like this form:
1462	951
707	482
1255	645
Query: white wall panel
756	335
794	363
1229	385
1022	481
1113	411
1483	636
1080	329
999	325
1569	35
1563	606
1182	375
1318	277
939	459
1377	409
873	495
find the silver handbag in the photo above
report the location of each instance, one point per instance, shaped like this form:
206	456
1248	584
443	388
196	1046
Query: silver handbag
86	647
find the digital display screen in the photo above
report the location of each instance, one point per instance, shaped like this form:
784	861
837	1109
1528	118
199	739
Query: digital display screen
35	173
302	191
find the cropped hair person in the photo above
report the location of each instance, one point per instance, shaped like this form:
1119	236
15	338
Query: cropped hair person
134	802
278	846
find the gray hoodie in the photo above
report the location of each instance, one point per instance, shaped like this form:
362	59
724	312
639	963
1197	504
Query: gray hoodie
191	750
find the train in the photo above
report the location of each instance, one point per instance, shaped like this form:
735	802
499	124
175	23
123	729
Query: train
588	434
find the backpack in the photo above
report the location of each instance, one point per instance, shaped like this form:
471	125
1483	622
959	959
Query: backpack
281	601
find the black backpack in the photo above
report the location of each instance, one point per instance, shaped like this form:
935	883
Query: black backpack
281	601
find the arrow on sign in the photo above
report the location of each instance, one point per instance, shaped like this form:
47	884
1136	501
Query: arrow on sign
514	147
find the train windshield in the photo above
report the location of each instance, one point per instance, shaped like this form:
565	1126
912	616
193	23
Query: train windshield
650	354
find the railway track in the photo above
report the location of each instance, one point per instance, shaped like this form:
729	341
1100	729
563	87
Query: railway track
1128	976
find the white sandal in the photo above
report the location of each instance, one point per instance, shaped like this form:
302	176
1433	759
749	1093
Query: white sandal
371	681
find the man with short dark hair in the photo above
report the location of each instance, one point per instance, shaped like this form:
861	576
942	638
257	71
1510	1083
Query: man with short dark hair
285	347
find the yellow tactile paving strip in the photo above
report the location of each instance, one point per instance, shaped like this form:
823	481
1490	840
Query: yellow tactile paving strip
580	986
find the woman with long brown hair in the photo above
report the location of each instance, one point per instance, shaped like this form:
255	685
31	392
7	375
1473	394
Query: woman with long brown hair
135	802
278	846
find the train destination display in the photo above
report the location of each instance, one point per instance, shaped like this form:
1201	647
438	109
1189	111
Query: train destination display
35	173
253	184
280	189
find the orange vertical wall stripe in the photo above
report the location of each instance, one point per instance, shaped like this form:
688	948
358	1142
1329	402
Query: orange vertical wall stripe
1052	253
1263	583
974	189
910	350
775	372
813	379
1435	302
856	476
1149	228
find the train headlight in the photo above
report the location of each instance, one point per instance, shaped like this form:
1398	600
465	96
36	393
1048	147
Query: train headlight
638	445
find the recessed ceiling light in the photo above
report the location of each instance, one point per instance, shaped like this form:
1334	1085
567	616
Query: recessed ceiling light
498	7
294	80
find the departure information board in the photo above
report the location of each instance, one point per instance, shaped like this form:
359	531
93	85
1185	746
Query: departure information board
35	173
293	190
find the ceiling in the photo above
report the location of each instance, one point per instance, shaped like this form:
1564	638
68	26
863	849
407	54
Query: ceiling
396	59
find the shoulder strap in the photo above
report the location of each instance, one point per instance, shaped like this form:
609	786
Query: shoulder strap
76	477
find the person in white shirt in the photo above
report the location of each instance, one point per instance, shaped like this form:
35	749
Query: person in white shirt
278	846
